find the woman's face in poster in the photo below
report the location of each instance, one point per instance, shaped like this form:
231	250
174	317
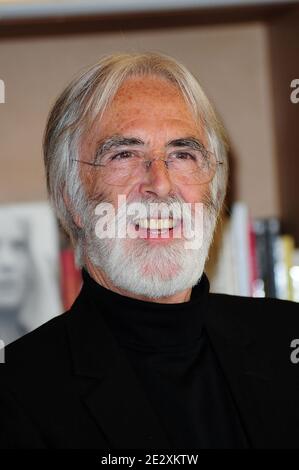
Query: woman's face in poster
14	262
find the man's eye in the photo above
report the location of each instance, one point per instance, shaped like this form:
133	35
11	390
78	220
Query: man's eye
121	156
184	156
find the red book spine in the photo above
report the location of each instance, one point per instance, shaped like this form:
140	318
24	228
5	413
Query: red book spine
252	259
71	279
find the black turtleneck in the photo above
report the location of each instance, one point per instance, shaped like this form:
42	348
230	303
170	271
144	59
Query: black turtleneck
170	352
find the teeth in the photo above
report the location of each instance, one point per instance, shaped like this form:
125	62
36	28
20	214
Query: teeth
155	224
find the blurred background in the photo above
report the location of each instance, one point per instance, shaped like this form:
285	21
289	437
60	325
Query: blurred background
246	56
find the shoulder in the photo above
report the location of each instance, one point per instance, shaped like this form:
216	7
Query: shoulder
262	333
34	379
260	316
253	305
36	350
36	370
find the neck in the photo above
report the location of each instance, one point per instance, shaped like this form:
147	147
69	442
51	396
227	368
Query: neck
99	276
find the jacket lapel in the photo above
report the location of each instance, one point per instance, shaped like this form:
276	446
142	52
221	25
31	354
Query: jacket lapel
249	373
117	401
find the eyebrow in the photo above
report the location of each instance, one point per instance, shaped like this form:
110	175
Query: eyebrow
116	141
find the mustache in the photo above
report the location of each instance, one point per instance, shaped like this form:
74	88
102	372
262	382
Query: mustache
173	206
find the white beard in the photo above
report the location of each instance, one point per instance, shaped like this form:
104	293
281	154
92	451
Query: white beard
150	270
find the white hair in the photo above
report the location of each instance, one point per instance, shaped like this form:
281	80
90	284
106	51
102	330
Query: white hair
86	98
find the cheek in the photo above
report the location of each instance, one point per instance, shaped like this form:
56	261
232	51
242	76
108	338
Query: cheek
90	181
194	193
131	192
96	190
99	192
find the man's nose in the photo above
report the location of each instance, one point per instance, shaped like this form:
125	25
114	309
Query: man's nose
156	179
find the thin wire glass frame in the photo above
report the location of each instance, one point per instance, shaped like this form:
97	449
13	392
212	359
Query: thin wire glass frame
122	171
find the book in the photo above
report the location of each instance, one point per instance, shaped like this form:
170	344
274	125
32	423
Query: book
70	274
251	257
71	279
29	268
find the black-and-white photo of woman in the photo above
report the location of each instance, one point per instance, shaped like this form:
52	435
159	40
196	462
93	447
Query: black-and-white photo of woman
26	273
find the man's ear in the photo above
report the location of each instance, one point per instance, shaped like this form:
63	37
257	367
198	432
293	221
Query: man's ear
76	218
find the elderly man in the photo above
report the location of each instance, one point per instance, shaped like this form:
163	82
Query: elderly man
146	357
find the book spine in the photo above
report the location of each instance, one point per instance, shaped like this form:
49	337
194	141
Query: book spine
285	251
254	275
259	228
70	278
294	274
272	234
240	240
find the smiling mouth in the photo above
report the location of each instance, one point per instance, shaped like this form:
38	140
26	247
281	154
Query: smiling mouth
154	224
155	228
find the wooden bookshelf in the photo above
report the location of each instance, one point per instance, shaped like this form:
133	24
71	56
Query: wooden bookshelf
245	58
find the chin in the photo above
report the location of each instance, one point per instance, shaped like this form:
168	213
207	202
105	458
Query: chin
156	275
155	286
147	270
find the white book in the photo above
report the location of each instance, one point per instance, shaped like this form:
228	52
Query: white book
241	247
220	267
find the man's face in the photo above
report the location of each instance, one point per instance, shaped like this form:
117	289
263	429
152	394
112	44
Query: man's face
153	112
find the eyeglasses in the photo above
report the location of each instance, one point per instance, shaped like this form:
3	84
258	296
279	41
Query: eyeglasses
184	166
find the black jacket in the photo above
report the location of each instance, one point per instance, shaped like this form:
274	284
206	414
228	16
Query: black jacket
66	385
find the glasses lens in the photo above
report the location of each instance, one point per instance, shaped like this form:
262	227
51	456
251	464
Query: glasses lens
193	168
123	170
